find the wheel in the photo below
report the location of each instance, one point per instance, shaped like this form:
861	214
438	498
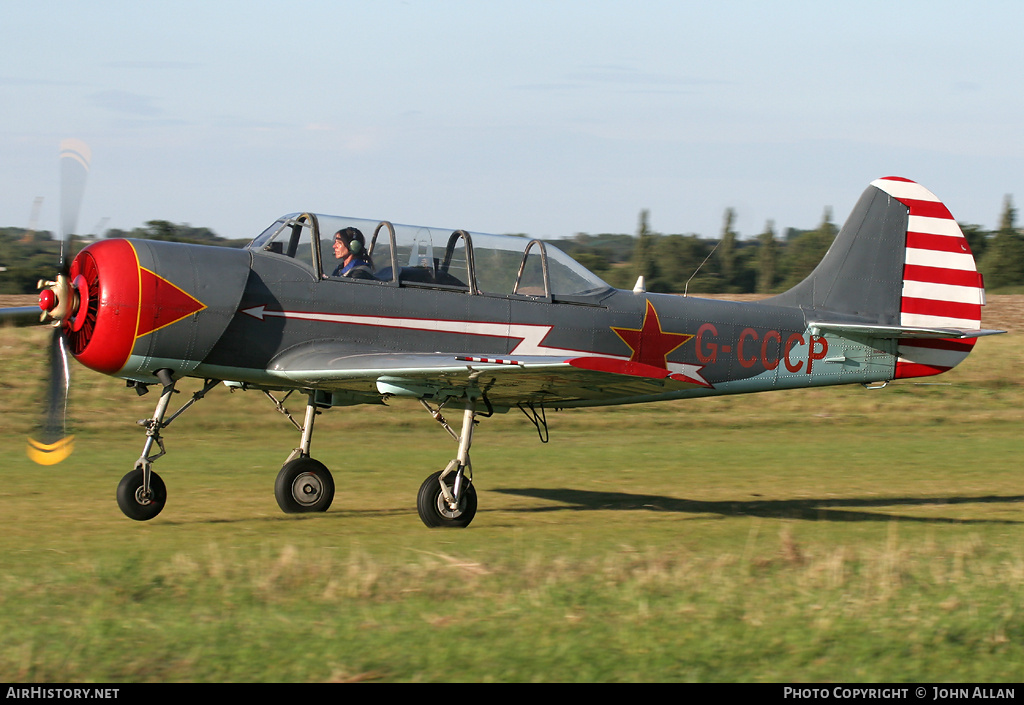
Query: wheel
132	501
304	485
434	510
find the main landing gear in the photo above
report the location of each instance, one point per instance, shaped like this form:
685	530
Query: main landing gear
304	484
447	498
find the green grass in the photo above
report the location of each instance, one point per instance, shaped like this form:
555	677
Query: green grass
837	535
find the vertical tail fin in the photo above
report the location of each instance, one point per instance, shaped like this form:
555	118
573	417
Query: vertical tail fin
900	260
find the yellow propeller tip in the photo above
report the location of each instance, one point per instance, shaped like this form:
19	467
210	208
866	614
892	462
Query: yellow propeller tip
50	453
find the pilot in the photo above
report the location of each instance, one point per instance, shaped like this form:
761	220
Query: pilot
350	250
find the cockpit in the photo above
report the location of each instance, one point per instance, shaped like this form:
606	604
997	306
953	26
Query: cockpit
413	256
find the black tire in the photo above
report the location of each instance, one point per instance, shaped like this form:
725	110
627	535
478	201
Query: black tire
434	510
131	501
304	485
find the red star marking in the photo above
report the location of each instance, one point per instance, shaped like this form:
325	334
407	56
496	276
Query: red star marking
650	344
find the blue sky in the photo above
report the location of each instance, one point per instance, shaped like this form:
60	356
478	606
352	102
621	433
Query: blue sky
547	118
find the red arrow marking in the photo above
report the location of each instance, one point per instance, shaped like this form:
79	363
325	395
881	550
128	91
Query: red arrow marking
163	303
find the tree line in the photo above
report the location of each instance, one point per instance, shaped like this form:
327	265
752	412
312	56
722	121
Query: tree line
770	262
767	263
26	256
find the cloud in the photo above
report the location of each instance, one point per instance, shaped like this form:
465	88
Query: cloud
628	77
126	103
153	65
30	82
625	79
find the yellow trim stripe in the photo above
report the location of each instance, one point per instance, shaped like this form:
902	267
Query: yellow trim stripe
138	300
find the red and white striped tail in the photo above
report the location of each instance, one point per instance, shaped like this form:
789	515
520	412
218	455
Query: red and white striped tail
941	285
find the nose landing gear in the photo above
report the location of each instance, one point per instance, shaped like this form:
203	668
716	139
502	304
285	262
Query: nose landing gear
141	494
141	500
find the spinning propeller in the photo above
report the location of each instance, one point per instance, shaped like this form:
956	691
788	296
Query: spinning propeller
66	304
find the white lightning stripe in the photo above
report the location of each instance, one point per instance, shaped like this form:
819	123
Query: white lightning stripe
945	260
691	371
941	292
531	336
904	189
933	226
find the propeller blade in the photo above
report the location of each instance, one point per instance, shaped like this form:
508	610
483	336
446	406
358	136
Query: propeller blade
50	443
20	316
74	167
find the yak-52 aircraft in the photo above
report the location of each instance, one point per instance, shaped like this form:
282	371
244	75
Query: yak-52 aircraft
485	323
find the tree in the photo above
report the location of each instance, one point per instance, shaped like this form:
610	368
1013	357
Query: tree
977	239
679	263
644	263
805	251
727	250
767	259
1003	261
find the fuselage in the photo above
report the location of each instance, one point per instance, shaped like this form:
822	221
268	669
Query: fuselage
248	315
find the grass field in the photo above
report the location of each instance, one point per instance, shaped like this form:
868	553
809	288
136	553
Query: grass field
838	535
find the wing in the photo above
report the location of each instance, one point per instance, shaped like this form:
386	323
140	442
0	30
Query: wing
506	381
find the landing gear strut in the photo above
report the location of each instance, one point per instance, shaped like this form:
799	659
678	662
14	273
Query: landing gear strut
141	494
448	498
303	484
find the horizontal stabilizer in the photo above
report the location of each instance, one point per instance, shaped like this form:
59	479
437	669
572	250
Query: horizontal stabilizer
901	332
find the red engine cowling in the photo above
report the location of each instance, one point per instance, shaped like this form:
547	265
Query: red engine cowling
141	305
101	329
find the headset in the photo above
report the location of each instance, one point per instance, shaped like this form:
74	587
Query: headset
348	236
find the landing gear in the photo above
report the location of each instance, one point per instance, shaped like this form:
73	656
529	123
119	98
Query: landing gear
141	495
445	499
448	498
304	484
138	499
437	503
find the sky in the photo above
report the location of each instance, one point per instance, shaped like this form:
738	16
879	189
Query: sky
545	118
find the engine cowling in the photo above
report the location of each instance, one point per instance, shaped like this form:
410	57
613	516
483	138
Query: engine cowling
142	305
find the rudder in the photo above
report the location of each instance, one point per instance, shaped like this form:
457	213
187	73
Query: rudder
942	287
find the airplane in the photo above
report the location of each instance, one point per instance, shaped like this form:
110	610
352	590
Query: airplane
484	324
